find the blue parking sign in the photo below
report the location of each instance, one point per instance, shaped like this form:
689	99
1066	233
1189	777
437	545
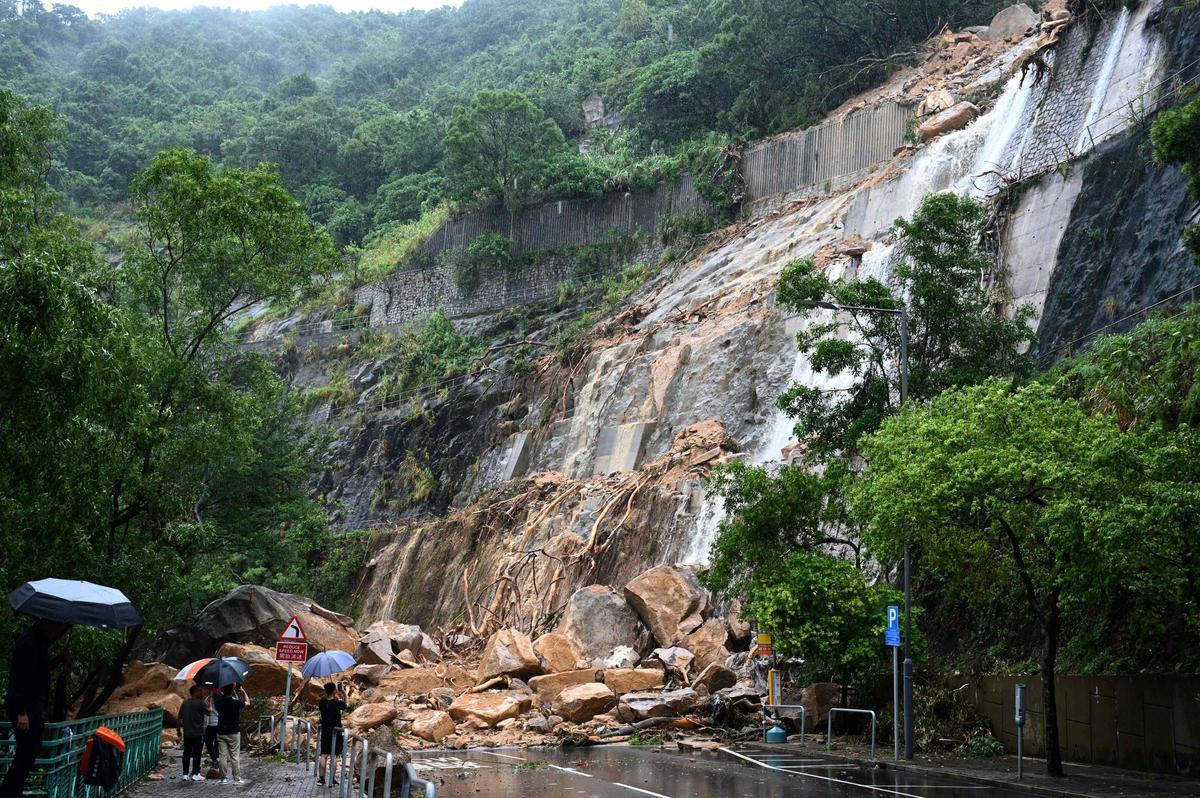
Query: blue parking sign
891	635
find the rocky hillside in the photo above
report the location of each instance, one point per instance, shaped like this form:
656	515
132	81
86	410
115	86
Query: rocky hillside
564	444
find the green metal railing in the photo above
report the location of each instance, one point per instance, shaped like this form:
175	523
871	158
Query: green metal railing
55	773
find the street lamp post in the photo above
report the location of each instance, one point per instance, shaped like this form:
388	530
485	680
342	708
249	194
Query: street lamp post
902	312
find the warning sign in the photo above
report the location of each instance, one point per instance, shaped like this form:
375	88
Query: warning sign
764	647
291	651
293	631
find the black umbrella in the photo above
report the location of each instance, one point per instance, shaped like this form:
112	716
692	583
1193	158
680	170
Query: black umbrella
223	671
75	602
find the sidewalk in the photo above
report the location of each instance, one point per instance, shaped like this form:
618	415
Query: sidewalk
1081	781
265	778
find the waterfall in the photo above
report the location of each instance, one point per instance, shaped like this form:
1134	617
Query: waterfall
998	127
1100	88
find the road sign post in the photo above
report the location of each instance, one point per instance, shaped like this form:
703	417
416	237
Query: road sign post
891	638
292	646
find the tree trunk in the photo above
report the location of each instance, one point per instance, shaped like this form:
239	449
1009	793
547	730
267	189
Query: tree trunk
114	675
1049	708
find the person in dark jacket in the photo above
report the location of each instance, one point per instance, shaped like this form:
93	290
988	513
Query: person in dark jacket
332	706
229	732
28	695
193	717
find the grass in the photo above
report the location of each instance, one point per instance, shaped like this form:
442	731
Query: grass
388	252
639	737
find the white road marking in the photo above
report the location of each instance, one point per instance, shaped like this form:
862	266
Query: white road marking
639	789
822	778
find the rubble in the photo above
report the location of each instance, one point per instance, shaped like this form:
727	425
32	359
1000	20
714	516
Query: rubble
669	600
508	653
584	701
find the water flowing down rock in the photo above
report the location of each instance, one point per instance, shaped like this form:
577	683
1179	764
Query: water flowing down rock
669	600
509	653
597	620
584	701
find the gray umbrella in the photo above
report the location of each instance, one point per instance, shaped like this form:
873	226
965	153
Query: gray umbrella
75	602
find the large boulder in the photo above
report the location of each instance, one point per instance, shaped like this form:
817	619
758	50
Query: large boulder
1014	21
641	706
556	652
487	708
149	686
631	680
255	615
508	653
433	726
388	642
548	687
382	742
669	600
422	681
597	620
715	677
818	698
955	117
584	702
370	716
708	643
674	658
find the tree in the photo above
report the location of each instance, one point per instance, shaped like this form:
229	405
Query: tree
497	149
995	486
1175	135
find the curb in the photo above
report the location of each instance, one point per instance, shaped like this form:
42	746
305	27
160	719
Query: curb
889	764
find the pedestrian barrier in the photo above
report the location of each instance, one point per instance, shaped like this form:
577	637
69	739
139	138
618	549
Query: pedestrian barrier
270	719
297	724
803	715
366	778
55	772
871	712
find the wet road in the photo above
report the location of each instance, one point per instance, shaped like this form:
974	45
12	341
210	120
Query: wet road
626	772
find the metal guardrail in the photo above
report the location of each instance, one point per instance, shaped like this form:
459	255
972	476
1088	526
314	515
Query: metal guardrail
829	735
55	773
366	778
270	719
297	725
803	715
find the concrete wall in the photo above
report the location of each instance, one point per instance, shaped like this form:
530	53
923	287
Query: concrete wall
1149	723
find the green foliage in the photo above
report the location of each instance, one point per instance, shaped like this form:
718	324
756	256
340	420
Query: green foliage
644	738
1175	135
498	149
428	354
487	252
139	447
983	746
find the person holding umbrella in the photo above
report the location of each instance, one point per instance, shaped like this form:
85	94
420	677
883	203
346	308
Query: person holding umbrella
229	732
57	605
332	705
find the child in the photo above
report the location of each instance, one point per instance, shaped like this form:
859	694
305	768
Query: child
210	732
229	733
331	729
193	717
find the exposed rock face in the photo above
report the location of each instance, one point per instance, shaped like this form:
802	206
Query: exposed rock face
597	620
433	726
549	686
1013	21
708	643
669	600
370	716
487	708
556	652
584	701
631	680
509	653
955	117
387	642
254	614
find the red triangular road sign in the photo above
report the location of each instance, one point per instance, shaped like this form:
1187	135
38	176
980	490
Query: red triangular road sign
293	631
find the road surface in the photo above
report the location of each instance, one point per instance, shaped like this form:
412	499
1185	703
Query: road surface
749	771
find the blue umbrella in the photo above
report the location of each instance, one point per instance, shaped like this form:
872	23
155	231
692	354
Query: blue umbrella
327	663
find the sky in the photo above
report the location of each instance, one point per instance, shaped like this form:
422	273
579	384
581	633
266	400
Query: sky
93	7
